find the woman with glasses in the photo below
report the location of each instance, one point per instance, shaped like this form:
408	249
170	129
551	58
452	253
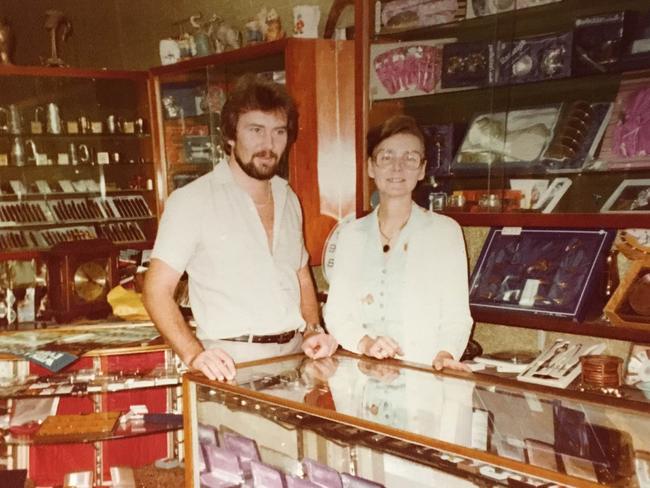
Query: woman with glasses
399	283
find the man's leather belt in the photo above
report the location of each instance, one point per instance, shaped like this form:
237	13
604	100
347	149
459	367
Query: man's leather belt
265	339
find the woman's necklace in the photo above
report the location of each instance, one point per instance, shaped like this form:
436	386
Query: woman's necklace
386	246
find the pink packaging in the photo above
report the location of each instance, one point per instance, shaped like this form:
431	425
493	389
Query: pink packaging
351	481
295	482
223	467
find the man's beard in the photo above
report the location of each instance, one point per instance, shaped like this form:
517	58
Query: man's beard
258	172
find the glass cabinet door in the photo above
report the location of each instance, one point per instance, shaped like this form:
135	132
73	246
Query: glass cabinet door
532	110
190	100
76	158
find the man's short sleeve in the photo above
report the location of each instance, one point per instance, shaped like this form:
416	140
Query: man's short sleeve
178	231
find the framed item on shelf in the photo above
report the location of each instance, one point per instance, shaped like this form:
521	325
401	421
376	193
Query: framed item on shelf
630	196
638	368
467	64
531	191
629	306
405	69
559	364
554	272
548	200
626	144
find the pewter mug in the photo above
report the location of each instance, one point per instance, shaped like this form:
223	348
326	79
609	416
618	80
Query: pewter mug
13	123
53	121
18	152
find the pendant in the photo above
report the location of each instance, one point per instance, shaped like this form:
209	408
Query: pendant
386	248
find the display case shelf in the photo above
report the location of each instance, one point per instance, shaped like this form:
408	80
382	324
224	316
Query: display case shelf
598	328
565	220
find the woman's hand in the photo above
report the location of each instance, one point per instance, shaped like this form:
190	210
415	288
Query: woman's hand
381	347
445	360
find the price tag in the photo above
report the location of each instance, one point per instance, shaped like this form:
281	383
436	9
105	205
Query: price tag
96	127
36	127
62	159
4	160
73	127
128	127
102	157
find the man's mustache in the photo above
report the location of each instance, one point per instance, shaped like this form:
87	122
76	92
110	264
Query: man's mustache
265	154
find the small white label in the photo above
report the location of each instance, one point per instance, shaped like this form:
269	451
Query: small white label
36	127
41	160
640	46
102	157
533	402
530	291
511	231
43	187
17	187
96	127
4	160
66	186
128	127
62	159
73	127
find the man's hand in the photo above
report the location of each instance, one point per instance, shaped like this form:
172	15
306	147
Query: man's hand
386	373
321	370
381	347
320	345
216	364
445	360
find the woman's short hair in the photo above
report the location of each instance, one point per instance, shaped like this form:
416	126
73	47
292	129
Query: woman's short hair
254	93
398	124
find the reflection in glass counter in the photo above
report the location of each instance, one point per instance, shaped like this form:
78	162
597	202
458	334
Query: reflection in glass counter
387	423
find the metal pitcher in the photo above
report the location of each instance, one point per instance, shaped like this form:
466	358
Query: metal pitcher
53	119
12	123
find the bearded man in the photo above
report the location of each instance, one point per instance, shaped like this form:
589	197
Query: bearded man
237	232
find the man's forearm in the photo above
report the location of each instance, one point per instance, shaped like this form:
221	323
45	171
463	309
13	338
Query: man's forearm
169	320
309	307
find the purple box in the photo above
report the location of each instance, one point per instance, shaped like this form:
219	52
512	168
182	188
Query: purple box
243	447
295	482
350	481
557	272
265	476
467	64
533	59
322	474
223	466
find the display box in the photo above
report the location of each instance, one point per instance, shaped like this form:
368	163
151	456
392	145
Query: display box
410	14
467	64
405	69
533	59
517	138
599	42
442	142
555	272
480	8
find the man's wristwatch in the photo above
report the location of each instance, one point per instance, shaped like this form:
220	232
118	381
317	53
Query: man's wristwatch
312	329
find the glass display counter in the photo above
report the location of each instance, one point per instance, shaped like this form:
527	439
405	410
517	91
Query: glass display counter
62	391
361	422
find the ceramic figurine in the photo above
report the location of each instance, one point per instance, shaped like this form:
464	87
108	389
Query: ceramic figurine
273	26
202	37
226	37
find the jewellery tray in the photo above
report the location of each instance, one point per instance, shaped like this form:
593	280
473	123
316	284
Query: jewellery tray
555	272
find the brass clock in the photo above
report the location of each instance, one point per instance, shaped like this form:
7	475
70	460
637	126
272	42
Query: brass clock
80	275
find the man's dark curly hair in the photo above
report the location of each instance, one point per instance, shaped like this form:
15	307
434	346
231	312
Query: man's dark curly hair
398	124
254	93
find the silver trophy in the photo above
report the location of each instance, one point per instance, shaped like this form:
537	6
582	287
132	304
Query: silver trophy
60	29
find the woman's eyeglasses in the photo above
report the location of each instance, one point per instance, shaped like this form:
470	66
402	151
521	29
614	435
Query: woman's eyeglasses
409	159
